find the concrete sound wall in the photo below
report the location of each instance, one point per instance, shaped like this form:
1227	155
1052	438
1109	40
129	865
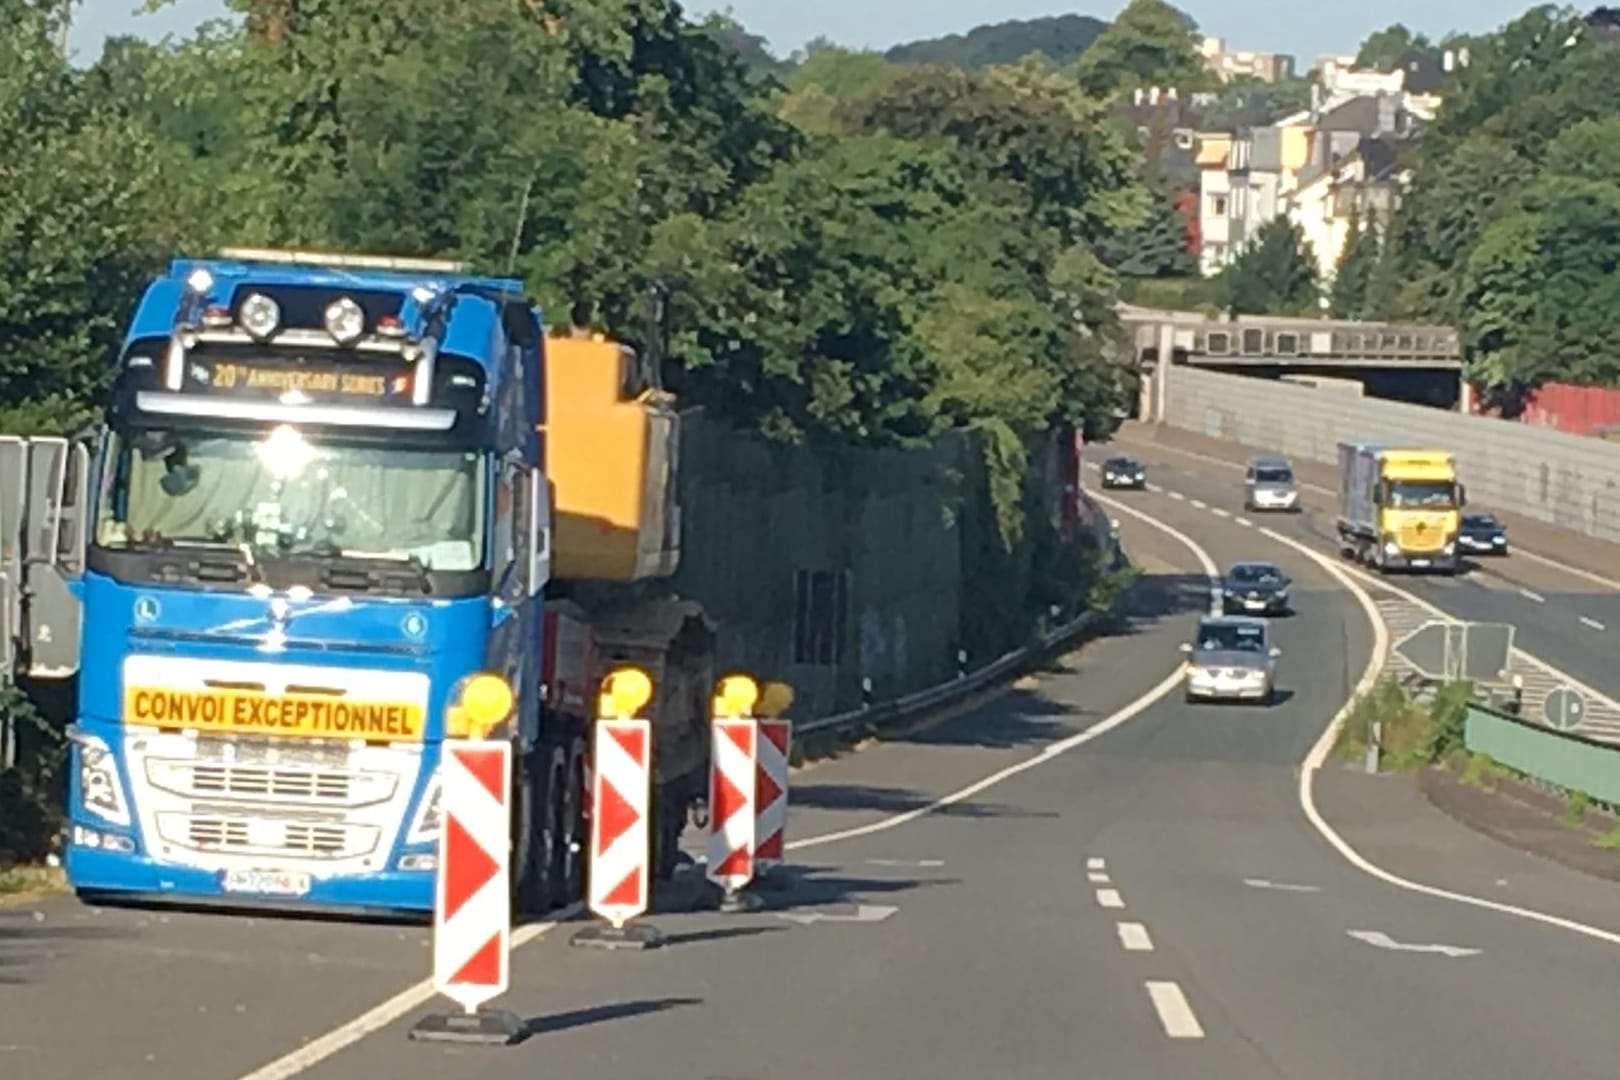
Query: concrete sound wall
1570	481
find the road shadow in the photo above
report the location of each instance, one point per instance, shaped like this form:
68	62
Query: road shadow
26	941
796	887
726	933
600	1014
1155	597
894	800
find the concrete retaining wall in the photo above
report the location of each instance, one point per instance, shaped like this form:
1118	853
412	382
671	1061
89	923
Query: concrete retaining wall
1570	481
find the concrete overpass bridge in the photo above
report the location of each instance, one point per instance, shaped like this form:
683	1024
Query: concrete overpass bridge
1401	361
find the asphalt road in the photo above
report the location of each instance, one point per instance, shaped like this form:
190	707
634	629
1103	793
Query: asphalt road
1560	617
990	946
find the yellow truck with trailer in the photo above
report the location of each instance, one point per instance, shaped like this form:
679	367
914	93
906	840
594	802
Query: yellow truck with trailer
1400	508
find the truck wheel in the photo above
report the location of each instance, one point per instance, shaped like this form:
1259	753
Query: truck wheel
568	869
533	836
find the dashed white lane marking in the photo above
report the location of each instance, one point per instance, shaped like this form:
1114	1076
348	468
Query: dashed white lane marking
1530	594
1098	877
1199	503
1174	1012
1094	863
1134	936
1154	487
1593	623
380	1016
1178	496
1218	512
1109	898
1245	522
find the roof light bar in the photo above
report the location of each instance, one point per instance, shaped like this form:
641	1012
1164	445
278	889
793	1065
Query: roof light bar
353	262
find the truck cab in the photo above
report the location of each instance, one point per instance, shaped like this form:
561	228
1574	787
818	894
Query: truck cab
313	512
1400	508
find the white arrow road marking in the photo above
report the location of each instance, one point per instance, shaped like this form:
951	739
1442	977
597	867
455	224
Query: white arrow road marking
1097	877
1384	941
864	913
905	862
1281	886
1109	898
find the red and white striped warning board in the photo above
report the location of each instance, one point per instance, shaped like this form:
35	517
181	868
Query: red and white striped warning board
733	763
472	913
771	792
621	782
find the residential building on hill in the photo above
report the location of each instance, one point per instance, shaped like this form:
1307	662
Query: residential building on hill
1240	63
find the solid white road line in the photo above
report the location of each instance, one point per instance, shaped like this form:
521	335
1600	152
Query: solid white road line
1134	937
1097	877
1518	551
1094	863
1324	746
1530	594
1174	1012
1593	623
1109	898
317	1050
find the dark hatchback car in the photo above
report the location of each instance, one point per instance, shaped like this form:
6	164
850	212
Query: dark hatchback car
1123	472
1255	588
1482	534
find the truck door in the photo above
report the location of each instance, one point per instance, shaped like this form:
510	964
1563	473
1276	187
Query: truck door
43	504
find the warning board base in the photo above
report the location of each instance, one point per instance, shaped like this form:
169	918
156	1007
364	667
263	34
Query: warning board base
487	1027
736	903
635	937
771	880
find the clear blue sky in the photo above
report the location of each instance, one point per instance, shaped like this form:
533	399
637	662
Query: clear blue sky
1302	27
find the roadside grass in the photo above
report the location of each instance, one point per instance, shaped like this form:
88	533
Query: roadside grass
21	881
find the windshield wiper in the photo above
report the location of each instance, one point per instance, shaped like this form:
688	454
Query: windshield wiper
363	572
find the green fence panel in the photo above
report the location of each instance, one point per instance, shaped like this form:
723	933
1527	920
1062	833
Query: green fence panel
1572	762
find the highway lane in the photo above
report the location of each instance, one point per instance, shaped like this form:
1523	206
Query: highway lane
1549	623
1277	962
1099	922
200	996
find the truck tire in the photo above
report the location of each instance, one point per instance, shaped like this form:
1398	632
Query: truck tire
573	836
533	834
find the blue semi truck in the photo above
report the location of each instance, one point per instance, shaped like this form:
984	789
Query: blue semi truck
333	497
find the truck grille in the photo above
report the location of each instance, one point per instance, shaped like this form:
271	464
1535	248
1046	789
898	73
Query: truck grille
270	783
268	836
1421	537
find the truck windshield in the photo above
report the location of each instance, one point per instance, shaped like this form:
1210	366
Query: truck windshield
289	492
1411	494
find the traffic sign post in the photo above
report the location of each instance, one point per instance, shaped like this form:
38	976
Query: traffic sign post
771	783
619	870
1444	651
733	774
1564	708
472	911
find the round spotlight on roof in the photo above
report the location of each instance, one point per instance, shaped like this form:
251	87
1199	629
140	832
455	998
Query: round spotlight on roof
260	316
345	321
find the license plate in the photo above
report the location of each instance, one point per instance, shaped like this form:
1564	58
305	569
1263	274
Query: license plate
1256	604
1420	562
267	882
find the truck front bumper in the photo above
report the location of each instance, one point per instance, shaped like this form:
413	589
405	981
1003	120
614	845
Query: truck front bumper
1428	561
115	874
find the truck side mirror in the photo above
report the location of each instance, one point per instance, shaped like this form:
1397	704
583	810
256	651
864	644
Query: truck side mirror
1462	494
1186	646
539	531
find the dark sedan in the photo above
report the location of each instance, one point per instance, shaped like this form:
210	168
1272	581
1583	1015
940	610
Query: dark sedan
1255	588
1123	472
1482	534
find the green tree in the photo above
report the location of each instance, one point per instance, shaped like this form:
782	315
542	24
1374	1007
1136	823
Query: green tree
1384	48
1157	246
89	211
1351	295
1058	38
830	80
1149	43
1276	275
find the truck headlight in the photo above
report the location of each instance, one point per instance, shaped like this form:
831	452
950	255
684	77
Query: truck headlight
101	791
429	816
1391	548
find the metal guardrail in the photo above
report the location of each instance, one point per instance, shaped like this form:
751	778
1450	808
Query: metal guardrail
874	717
1562	759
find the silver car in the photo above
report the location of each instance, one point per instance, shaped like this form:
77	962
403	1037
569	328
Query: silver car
1269	484
1232	659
